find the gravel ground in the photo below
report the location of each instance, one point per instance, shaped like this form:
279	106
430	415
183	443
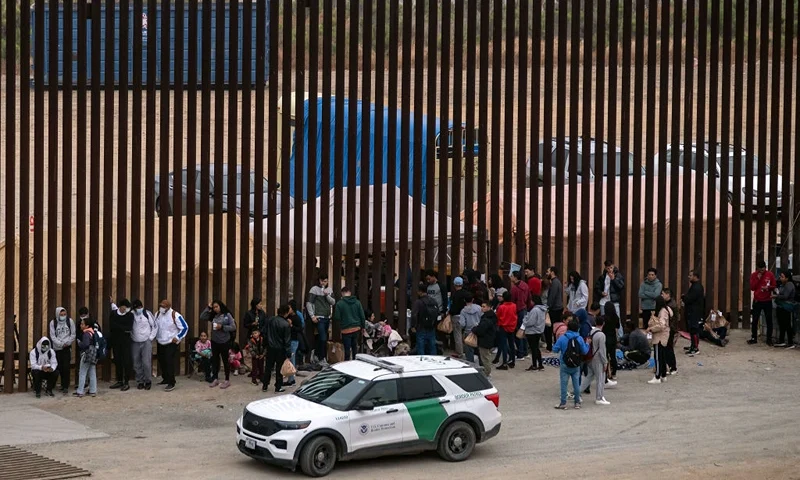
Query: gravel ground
721	418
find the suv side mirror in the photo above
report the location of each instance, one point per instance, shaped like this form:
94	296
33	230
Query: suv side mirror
365	405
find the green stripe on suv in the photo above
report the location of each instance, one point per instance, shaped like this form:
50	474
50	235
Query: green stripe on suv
427	416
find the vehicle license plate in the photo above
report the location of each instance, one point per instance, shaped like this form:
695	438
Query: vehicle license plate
250	443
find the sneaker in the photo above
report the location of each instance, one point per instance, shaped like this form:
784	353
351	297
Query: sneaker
502	367
236	373
577	406
495	361
780	345
65	390
587	392
769	343
570	395
50	393
752	341
254	381
280	390
116	386
76	394
169	388
689	348
540	368
290	384
264	388
213	384
654	381
225	384
511	365
611	383
148	386
790	346
125	388
494	351
140	386
562	406
532	368
163	382
93	395
602	401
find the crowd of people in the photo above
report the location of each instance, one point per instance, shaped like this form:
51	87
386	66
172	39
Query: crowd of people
491	324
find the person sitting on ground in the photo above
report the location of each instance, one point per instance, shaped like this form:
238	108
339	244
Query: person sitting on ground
715	329
44	367
634	344
235	358
486	331
202	349
566	372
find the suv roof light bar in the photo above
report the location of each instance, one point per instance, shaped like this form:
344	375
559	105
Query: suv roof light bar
363	357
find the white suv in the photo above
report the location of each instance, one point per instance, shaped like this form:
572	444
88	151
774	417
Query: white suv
371	407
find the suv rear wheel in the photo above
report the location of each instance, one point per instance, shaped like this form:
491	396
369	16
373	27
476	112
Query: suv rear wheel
318	457
457	442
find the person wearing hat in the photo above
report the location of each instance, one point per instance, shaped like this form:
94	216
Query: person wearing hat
458	300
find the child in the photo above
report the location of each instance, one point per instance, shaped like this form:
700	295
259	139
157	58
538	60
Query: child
202	349
235	358
486	330
507	326
561	346
258	351
88	359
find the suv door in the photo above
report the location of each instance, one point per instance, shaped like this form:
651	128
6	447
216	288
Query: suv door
381	425
424	398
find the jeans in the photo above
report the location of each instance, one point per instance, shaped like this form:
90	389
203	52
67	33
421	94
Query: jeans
322	337
350	342
143	361
426	342
536	353
506	346
64	359
293	345
91	370
458	335
521	343
469	353
166	361
565	374
219	352
759	307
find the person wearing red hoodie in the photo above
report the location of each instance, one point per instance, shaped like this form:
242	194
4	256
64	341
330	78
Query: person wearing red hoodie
762	283
506	327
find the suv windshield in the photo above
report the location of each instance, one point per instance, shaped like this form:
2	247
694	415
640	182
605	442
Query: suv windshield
333	389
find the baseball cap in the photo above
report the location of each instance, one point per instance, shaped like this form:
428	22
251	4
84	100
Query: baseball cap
458	281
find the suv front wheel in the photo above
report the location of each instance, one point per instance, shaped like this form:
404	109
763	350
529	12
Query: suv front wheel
318	457
457	442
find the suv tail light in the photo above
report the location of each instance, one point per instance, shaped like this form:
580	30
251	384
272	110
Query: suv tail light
494	398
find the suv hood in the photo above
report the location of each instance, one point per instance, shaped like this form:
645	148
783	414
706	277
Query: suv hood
291	408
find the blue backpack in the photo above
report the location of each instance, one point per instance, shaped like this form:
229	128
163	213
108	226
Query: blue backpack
100	344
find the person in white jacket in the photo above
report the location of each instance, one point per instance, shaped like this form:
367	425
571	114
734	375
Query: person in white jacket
172	329
142	336
62	333
44	367
577	292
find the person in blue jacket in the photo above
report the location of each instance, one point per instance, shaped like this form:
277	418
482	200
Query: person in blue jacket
561	346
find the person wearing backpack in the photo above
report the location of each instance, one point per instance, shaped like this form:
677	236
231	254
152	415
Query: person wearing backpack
597	362
172	329
87	354
572	349
62	332
142	336
424	315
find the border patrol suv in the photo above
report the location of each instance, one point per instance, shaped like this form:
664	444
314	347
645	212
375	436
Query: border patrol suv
370	407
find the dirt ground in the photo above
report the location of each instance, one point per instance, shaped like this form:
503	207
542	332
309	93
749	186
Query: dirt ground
729	414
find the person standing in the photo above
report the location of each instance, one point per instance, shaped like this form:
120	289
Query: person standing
318	305
222	328
534	283
598	365
142	335
172	329
534	327
349	315
255	317
658	328
44	367
62	333
566	372
649	291
87	359
577	292
669	353
694	304
610	288
279	340
610	327
762	282
121	324
458	300
784	301
521	296
555	304
486	331
424	315
469	319
507	327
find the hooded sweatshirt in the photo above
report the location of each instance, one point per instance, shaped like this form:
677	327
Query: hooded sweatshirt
507	317
223	335
534	320
144	327
38	359
62	332
599	351
583	318
86	340
578	297
170	325
486	330
648	292
349	314
470	317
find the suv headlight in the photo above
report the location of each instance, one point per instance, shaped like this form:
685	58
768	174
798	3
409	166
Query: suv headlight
293	425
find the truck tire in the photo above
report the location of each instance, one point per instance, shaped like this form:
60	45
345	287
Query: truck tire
318	456
457	442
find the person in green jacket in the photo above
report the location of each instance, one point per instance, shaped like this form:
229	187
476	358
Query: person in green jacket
349	314
649	290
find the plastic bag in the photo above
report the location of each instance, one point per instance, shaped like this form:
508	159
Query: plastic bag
471	340
287	369
446	325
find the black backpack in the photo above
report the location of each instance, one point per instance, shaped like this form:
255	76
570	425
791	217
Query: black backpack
429	315
572	355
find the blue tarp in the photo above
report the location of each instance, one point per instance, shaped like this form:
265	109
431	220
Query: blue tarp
402	163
